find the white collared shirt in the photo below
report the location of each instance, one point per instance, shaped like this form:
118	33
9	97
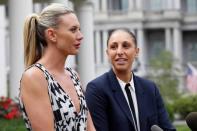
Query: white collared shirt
133	94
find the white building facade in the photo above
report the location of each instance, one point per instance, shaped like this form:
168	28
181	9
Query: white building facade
158	25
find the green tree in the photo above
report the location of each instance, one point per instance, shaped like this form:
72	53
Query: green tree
162	72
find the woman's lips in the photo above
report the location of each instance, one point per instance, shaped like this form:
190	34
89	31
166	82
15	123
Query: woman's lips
121	61
77	45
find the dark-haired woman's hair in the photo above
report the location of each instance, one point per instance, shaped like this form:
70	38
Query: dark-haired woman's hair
34	27
125	30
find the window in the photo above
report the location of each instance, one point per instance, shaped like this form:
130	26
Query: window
192	51
191	6
155	5
118	5
155	42
190	46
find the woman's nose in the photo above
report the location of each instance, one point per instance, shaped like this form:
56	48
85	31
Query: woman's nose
80	36
119	51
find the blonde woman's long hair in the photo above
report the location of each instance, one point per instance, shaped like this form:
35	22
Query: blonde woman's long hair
34	27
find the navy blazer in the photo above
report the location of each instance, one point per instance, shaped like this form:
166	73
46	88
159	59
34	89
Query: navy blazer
110	110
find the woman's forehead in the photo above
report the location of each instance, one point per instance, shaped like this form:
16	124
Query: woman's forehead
69	19
120	36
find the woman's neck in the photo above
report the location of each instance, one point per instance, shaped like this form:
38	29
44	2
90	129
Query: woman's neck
124	75
53	61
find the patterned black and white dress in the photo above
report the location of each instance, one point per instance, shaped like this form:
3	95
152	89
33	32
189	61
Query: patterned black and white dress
65	116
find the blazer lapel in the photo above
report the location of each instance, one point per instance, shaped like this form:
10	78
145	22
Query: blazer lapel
140	101
119	96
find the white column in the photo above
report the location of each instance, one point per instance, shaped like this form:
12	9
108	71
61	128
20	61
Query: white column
96	5
139	4
37	7
104	42
131	5
177	35
142	52
71	61
3	74
98	47
177	4
86	65
169	4
17	13
178	55
103	5
168	39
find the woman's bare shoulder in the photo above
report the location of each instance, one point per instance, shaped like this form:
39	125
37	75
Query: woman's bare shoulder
33	73
33	78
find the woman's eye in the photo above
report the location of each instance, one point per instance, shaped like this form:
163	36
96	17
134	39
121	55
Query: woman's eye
113	47
73	30
126	45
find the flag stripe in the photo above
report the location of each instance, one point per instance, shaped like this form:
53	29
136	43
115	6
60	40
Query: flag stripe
191	78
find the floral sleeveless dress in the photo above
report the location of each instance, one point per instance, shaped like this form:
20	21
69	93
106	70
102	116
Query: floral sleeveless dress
64	120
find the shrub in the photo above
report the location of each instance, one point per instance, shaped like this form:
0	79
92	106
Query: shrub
170	110
184	105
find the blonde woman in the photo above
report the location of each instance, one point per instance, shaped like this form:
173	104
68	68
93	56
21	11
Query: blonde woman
51	97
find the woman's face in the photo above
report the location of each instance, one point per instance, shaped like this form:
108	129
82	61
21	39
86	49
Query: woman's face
121	50
68	34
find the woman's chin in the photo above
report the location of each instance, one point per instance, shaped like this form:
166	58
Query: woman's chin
120	68
74	52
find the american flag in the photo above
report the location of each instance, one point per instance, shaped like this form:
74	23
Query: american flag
192	78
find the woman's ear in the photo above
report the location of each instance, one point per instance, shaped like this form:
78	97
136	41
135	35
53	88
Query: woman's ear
106	51
137	52
51	35
108	56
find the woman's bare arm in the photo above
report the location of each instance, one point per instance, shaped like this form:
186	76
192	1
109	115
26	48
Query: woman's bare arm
34	94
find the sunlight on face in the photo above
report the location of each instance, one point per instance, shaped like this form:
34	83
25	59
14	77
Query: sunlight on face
69	35
121	50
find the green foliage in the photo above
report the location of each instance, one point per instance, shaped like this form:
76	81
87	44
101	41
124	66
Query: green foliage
170	110
162	61
182	128
184	105
163	74
12	125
